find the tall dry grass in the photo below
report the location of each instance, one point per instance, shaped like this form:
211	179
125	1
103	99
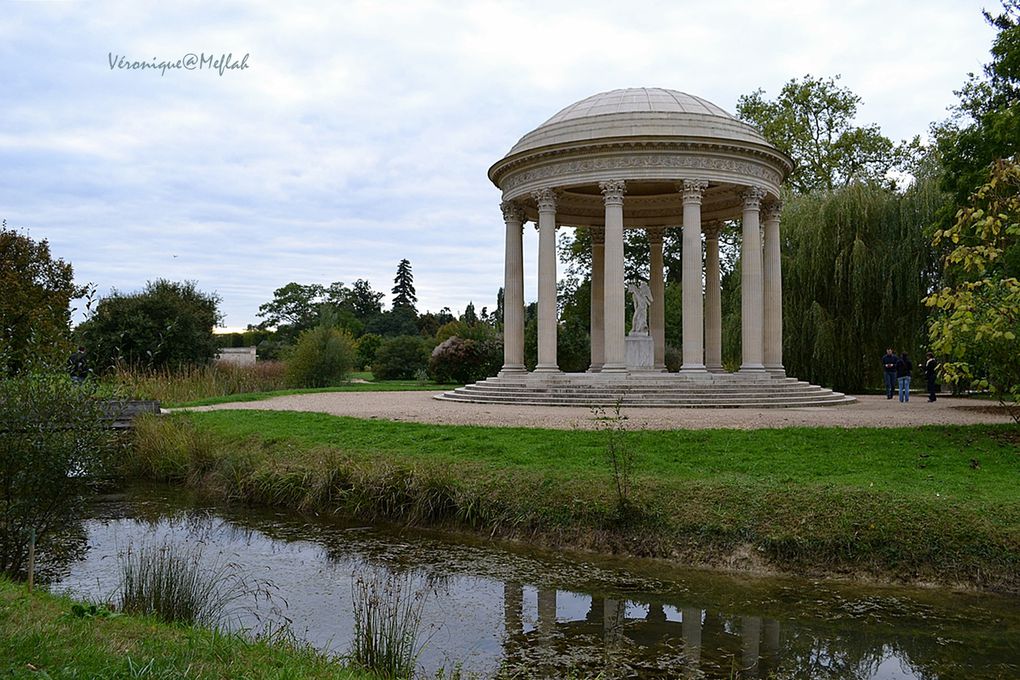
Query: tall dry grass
191	383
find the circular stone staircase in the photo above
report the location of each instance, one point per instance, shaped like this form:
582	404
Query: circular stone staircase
637	389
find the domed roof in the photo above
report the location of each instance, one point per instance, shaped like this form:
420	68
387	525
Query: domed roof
638	112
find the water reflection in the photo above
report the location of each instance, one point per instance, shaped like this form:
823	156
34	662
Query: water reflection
547	613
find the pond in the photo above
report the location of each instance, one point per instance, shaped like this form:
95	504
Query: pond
489	605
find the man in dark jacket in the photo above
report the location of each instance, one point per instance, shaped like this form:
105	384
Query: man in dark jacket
78	366
889	362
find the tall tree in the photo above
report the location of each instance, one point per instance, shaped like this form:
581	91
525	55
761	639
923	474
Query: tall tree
403	287
35	304
294	305
812	121
364	301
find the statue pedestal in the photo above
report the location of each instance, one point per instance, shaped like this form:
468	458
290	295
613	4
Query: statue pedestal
640	352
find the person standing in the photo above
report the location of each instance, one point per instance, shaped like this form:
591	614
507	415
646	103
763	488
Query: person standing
889	362
929	373
78	366
903	371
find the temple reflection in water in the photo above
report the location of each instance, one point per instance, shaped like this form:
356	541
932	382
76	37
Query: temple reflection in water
544	628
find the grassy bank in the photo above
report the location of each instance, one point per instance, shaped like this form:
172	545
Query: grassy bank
925	504
41	638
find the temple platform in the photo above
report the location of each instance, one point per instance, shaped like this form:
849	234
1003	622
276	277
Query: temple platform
649	389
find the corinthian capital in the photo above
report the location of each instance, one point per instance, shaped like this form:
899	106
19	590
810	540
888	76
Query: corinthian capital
711	229
693	190
546	200
752	197
598	235
512	211
654	235
612	191
772	210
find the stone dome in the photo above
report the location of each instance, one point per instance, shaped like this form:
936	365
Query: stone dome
638	112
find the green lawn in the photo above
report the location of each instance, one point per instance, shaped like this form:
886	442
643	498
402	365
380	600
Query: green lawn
39	638
934	502
913	461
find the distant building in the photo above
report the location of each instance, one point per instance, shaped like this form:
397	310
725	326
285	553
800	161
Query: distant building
238	356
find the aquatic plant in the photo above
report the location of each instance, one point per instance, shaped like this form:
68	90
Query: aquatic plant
171	582
387	620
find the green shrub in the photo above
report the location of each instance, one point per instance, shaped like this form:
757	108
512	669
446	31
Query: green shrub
456	360
400	358
168	324
323	356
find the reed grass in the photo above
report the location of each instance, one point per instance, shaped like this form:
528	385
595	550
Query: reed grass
191	383
387	621
171	582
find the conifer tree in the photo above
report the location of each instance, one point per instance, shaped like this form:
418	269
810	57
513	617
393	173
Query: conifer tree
403	287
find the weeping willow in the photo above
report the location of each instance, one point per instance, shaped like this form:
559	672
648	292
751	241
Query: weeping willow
856	264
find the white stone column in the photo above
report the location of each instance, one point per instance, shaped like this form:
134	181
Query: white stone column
513	290
615	347
598	291
751	306
546	200
713	301
657	313
693	301
773	292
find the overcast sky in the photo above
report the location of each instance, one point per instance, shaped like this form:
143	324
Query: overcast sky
360	133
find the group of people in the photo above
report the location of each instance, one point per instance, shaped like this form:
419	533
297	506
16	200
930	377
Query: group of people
897	371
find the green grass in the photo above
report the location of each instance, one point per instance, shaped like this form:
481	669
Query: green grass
40	638
924	503
383	386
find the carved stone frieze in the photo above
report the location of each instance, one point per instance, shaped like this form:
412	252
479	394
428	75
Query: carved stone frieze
665	161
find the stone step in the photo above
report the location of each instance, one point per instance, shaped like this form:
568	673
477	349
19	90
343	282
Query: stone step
483	389
794	403
648	390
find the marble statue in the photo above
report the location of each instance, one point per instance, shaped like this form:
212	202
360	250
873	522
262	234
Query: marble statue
642	296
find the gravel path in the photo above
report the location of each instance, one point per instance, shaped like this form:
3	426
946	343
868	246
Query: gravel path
420	407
